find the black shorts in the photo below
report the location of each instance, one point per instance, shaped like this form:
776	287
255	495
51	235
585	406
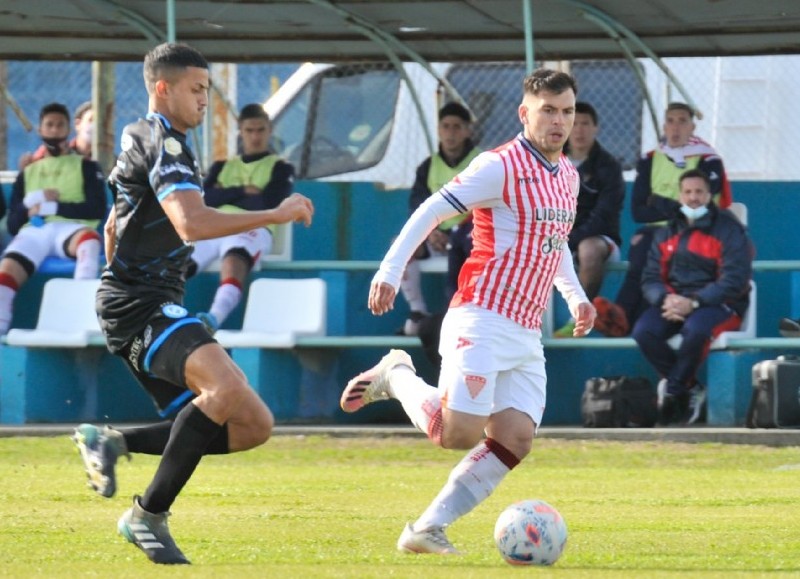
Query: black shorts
157	355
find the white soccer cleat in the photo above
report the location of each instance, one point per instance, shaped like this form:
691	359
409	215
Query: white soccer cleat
428	541
373	384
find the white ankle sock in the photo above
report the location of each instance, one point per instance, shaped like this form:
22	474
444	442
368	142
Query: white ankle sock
227	297
6	308
87	259
419	399
470	482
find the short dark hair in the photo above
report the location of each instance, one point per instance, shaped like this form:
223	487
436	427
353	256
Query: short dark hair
695	174
453	109
584	108
82	109
676	106
168	58
53	108
545	79
253	111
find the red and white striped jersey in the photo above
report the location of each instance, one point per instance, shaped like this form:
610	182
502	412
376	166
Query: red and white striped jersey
524	208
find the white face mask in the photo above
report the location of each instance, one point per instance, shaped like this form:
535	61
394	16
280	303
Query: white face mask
694	213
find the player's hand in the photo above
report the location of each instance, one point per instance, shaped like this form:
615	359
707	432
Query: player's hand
296	208
252	190
381	298
584	315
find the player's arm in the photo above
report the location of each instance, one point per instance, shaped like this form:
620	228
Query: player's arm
110	233
606	212
193	220
479	185
94	205
276	190
647	206
17	211
216	196
568	285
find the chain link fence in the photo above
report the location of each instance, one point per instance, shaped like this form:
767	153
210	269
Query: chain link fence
357	120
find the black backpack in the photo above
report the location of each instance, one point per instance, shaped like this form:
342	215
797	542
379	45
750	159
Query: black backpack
619	402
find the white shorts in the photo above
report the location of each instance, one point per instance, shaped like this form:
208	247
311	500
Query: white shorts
256	242
490	363
37	243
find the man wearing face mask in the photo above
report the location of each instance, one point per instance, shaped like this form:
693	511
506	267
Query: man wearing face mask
697	284
56	206
81	143
655	200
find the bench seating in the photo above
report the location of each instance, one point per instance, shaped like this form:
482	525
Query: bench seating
314	367
67	316
277	312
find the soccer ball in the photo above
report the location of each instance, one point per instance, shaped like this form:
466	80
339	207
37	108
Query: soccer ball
530	532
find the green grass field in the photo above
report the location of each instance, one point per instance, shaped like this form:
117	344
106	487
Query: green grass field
333	507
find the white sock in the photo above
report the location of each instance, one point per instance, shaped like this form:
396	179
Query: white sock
87	259
6	308
227	297
411	288
470	482
420	400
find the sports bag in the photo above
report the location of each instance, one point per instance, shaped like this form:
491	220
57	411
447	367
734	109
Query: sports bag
619	402
776	394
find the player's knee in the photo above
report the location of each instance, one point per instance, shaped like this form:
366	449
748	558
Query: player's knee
519	444
521	447
460	438
592	252
227	394
262	426
251	425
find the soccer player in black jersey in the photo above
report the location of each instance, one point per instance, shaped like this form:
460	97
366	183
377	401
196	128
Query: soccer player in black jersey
158	212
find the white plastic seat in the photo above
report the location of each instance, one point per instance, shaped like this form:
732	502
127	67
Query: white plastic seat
67	317
748	327
277	311
282	237
740	211
746	330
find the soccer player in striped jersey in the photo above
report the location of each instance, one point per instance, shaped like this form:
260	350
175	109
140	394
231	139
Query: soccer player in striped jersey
523	196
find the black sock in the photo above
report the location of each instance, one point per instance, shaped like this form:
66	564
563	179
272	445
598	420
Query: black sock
153	438
150	439
189	438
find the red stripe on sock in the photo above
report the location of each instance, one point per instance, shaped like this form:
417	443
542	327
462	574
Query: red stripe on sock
506	456
435	427
232	281
8	281
88	236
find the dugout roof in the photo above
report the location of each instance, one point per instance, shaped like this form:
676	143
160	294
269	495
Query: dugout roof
436	30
